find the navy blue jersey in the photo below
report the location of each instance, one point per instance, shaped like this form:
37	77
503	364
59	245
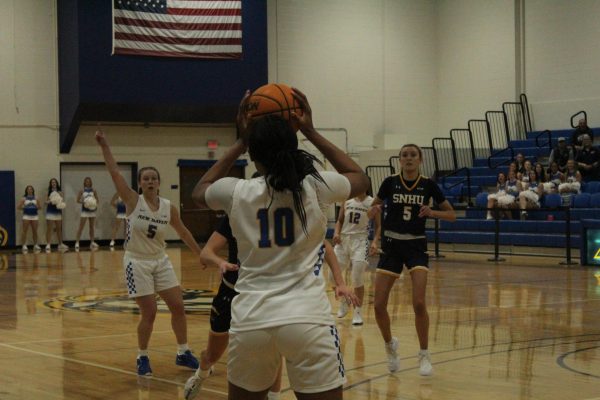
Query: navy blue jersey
403	200
225	229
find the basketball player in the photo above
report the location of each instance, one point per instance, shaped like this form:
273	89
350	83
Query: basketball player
30	206
279	223
87	214
54	200
119	206
220	315
351	239
148	270
407	197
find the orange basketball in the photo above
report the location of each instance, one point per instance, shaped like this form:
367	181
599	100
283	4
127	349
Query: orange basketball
274	98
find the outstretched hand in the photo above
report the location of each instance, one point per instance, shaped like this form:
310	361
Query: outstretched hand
100	137
227	266
347	294
304	122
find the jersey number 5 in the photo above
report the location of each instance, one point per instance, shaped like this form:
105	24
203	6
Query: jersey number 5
283	227
407	213
151	231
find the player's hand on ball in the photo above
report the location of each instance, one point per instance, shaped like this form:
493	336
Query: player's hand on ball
242	120
304	122
425	211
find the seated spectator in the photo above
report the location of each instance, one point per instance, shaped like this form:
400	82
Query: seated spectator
520	161
577	135
530	196
561	154
540	171
571	180
555	178
512	167
527	168
506	192
588	159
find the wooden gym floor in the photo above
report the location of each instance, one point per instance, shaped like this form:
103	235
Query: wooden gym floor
524	329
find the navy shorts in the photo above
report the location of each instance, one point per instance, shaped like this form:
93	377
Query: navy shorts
399	253
220	312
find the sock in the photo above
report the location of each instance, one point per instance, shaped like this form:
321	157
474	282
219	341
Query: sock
201	373
142	353
273	395
182	348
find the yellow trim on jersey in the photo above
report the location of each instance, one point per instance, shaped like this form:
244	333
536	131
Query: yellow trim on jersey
386	272
418	267
218	333
414	184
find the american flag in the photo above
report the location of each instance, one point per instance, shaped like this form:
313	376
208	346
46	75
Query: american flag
174	28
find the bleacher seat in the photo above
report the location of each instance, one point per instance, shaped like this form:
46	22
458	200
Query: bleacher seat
591	187
552	200
581	200
481	200
595	200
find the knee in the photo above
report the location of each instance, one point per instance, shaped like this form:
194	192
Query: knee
177	309
420	307
380	308
148	316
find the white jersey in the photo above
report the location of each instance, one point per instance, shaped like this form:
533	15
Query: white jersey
356	221
146	229
280	281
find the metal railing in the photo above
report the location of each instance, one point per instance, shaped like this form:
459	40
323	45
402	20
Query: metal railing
376	174
444	154
482	137
498	129
515	120
548	141
497	154
526	112
576	115
465	151
466	181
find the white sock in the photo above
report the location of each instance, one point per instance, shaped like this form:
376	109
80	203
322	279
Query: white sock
273	395
203	373
142	353
182	348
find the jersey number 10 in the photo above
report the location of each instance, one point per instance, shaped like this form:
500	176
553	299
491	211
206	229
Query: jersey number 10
283	227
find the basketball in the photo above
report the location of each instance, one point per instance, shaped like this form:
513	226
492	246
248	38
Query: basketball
273	99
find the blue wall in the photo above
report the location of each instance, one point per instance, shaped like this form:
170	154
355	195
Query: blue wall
96	86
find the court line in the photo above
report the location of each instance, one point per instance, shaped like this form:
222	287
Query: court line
561	362
106	367
81	338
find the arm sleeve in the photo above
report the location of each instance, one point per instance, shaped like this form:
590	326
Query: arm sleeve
336	188
219	195
436	193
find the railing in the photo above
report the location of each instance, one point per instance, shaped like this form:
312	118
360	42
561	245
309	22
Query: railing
526	113
444	154
465	151
498	129
482	137
515	120
467	180
427	167
376	174
497	153
577	115
548	141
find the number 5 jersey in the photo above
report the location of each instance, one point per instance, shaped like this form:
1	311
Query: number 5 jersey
146	229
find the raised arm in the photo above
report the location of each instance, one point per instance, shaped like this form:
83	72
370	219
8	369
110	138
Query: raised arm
359	182
113	201
223	165
129	196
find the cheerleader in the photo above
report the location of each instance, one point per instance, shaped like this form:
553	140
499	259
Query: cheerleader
54	206
555	178
571	179
30	206
88	198
119	205
530	197
492	201
524	175
540	171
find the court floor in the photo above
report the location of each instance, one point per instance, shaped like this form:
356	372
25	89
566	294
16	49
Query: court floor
523	329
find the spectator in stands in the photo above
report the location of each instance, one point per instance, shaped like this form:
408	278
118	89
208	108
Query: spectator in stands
571	179
530	196
527	168
588	159
504	196
512	167
555	178
540	171
520	161
577	135
561	154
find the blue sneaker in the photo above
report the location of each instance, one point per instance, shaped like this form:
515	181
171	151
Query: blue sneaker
187	359
143	366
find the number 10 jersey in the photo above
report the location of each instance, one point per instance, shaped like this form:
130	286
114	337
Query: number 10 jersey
146	229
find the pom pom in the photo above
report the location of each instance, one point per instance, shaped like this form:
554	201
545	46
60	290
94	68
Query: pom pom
55	198
61	205
90	203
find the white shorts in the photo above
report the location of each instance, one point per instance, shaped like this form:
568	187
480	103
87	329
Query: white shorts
144	277
88	214
30	218
312	352
53	217
121	216
352	248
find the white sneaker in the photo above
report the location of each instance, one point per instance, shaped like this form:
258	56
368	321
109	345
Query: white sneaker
24	249
425	368
94	245
392	355
194	383
112	243
48	247
343	310
356	317
63	247
37	247
76	245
